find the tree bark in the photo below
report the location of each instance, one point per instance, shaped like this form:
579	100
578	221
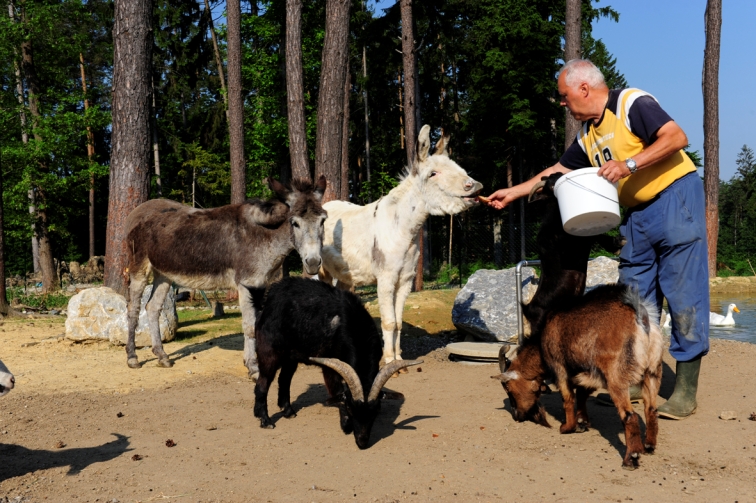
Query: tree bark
236	104
331	98
300	163
90	157
130	156
713	18
572	29
46	261
410	93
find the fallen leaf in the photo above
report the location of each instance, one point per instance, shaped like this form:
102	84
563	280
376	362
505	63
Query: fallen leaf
435	435
170	443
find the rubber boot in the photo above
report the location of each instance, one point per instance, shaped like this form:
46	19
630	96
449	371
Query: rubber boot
683	403
636	396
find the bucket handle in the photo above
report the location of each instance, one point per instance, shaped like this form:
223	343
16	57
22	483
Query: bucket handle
570	180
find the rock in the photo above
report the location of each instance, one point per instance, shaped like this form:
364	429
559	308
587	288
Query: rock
75	269
100	313
728	415
487	306
601	270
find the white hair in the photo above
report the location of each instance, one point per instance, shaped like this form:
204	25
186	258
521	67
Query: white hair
577	71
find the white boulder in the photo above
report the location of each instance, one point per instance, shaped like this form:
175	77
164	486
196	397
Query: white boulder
100	313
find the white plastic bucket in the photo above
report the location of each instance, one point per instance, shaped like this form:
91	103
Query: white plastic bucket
588	203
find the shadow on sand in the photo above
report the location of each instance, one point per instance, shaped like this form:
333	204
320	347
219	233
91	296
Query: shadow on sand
18	460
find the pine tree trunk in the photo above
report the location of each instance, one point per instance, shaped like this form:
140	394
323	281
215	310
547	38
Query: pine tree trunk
155	145
46	262
411	110
367	122
25	140
236	104
4	307
90	157
713	19
408	60
300	163
572	29
331	98
130	156
216	52
344	196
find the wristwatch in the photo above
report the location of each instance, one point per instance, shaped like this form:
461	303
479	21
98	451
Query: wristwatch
631	165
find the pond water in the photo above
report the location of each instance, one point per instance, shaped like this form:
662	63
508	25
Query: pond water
745	321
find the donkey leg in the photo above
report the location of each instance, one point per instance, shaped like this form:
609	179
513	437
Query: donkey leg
386	296
405	286
250	302
160	287
136	288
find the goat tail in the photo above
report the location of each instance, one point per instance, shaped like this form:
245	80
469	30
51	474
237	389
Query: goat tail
646	312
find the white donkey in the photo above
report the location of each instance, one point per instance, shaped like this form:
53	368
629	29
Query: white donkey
7	381
378	242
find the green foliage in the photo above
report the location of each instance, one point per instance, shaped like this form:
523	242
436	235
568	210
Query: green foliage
17	296
737	218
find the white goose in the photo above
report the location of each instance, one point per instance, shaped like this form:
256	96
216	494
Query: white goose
718	319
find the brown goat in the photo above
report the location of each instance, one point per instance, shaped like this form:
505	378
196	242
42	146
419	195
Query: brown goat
608	338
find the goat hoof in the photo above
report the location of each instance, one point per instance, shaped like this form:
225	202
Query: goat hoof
403	371
133	363
288	412
630	467
267	424
165	362
650	449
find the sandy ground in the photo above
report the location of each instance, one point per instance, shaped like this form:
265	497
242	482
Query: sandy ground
82	427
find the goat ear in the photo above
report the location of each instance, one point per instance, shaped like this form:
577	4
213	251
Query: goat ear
443	145
320	187
506	376
279	189
423	146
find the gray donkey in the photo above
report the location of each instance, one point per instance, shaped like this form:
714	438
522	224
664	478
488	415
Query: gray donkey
235	246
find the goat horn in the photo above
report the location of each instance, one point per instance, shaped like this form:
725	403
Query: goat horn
346	372
387	371
535	188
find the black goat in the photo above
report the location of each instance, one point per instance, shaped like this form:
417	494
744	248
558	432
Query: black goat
308	321
564	257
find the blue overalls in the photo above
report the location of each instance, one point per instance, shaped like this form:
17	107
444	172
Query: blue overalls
666	255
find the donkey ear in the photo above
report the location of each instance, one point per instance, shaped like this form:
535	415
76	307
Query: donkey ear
423	144
279	189
442	147
320	187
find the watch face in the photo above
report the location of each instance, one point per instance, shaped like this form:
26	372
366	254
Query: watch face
630	165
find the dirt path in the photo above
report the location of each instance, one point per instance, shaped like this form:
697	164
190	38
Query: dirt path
81	426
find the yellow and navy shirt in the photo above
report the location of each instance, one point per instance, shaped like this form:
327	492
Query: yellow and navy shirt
629	124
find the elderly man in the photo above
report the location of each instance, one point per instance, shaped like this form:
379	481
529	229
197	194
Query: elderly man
633	141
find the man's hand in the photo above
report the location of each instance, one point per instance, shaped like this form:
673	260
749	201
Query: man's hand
614	170
502	198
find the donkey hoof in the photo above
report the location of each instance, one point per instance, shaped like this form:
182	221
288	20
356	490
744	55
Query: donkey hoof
267	424
165	362
650	449
630	467
133	363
